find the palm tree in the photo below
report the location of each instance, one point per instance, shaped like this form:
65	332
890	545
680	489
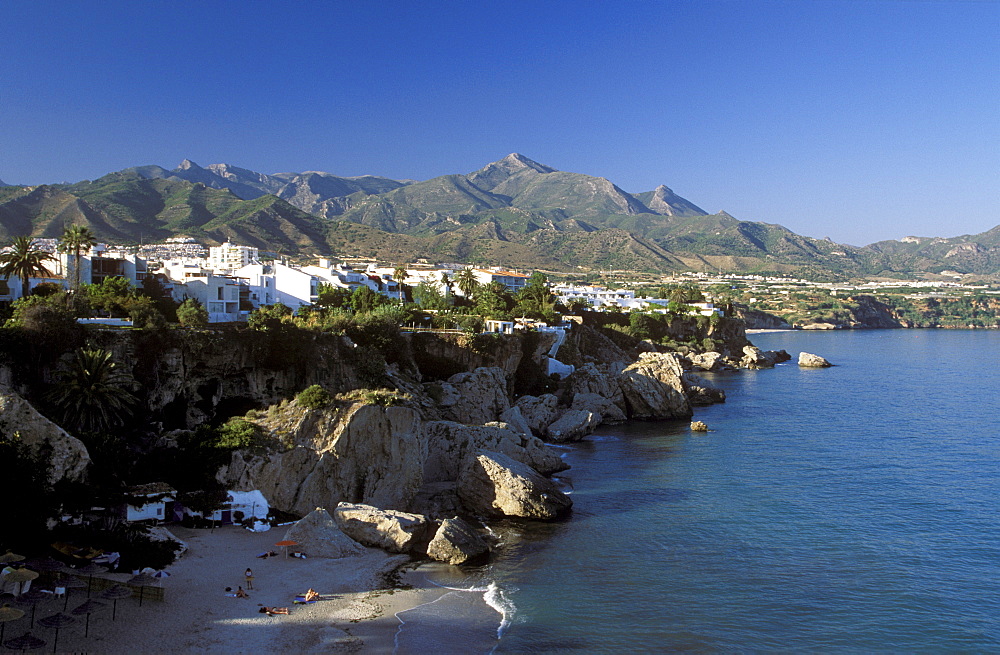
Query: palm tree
467	282
446	283
25	260
93	394
76	239
399	274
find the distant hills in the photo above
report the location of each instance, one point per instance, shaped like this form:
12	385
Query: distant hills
514	211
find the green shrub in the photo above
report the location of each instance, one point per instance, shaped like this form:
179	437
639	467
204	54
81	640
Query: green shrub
192	313
239	433
314	397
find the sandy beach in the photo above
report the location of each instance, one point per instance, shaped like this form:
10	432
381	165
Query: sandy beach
356	613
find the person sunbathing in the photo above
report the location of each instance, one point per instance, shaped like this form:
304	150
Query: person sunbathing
271	611
312	594
242	594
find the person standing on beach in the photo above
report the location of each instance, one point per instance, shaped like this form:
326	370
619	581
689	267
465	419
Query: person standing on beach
249	578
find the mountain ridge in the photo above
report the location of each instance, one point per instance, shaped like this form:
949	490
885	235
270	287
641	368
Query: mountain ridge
513	210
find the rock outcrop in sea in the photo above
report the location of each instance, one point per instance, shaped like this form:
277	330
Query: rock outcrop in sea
808	360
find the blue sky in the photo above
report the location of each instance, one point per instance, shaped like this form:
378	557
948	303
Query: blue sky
855	120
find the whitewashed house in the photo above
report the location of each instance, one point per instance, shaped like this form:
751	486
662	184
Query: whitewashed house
218	294
152	499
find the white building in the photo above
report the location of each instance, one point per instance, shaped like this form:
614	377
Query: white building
96	265
218	294
596	297
511	279
152	499
230	257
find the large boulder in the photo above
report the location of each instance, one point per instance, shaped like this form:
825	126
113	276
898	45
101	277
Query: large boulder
778	356
701	393
710	361
515	421
654	387
396	532
573	425
808	360
476	397
352	452
755	358
449	443
456	542
319	536
600	380
600	405
539	411
66	455
493	484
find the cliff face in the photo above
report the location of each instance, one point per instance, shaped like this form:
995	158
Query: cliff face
361	453
190	377
870	313
67	456
755	319
352	452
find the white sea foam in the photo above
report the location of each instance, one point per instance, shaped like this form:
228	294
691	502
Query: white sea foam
498	600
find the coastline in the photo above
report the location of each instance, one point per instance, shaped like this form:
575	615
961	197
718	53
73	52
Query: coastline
360	600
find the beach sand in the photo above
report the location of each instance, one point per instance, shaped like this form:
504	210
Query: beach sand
357	613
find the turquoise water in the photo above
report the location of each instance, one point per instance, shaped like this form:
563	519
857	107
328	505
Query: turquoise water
855	508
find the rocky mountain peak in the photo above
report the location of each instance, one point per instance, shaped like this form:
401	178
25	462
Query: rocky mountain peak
516	160
188	165
500	172
664	201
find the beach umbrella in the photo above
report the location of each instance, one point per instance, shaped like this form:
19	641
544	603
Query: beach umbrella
10	557
56	621
142	581
89	570
88	608
8	613
21	576
32	598
46	564
27	641
70	582
285	544
116	593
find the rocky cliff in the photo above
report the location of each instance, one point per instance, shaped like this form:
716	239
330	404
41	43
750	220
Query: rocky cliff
386	457
67	456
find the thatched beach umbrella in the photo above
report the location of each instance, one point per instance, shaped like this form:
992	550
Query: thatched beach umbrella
21	576
90	570
70	582
142	581
88	608
46	564
8	613
8	557
32	598
27	641
116	593
56	621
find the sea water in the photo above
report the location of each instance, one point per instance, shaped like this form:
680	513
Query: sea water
855	508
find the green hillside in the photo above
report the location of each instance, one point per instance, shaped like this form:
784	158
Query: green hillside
514	211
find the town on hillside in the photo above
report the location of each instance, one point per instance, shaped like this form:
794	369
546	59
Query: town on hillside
231	281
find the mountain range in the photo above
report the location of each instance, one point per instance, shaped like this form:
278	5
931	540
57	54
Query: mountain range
514	211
